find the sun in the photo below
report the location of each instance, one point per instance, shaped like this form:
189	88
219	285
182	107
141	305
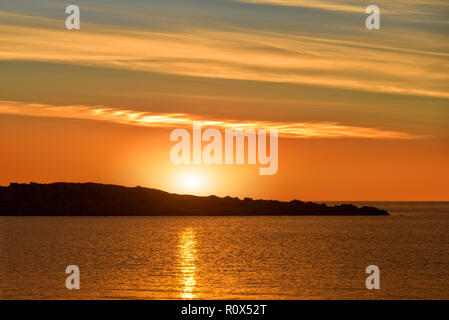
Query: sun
191	182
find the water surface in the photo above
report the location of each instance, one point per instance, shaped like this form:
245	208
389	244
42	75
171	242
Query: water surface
229	257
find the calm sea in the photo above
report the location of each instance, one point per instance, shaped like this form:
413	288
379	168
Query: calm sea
229	257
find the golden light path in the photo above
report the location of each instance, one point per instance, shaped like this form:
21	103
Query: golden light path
188	267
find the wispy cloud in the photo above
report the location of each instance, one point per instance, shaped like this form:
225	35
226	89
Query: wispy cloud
408	9
173	120
326	5
244	55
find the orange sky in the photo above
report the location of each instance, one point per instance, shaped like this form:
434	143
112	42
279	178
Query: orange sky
362	115
49	149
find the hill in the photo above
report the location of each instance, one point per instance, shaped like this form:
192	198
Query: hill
93	199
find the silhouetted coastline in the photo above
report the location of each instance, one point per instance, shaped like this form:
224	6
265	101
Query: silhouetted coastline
93	199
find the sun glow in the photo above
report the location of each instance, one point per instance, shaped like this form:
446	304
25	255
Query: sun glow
191	182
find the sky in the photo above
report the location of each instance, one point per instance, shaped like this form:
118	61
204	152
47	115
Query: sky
362	114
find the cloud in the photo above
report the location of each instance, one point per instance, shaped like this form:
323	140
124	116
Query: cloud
405	9
391	66
325	5
174	120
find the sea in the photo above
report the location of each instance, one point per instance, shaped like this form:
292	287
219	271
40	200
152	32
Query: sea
247	257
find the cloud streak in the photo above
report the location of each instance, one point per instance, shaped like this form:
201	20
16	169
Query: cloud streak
325	5
408	9
242	55
295	130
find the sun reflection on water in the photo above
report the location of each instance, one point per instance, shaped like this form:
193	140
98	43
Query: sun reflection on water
188	267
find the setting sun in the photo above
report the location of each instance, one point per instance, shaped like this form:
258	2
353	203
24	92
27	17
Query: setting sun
190	182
